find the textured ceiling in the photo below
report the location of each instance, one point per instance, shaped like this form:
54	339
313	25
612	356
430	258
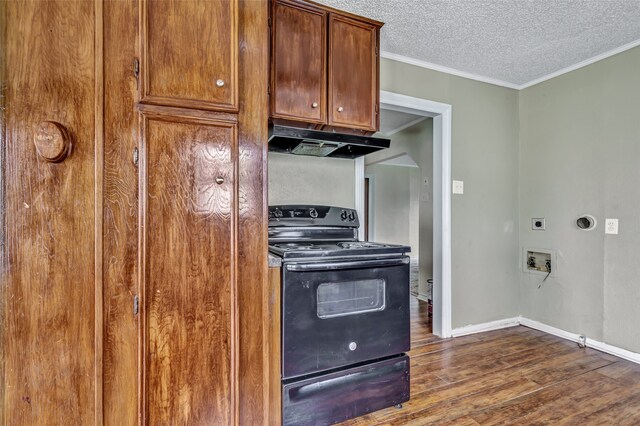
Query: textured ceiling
513	41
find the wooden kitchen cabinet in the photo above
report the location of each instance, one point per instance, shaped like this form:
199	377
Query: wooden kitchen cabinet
189	285
353	73
190	53
298	61
132	190
324	67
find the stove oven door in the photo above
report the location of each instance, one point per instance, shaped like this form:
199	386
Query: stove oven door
338	313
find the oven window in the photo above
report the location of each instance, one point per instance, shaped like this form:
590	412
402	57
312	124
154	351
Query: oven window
350	297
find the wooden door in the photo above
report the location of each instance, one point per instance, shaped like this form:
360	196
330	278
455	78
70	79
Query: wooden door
298	63
190	53
189	251
353	73
50	259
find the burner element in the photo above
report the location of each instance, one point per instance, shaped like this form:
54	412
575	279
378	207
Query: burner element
298	246
360	244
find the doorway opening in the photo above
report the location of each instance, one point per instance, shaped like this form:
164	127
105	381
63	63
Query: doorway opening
403	171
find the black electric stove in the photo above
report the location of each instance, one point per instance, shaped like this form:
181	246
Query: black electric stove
345	316
320	232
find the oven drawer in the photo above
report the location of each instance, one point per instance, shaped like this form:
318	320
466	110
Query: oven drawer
335	397
335	314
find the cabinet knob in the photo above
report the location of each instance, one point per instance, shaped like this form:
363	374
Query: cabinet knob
219	180
219	82
340	109
52	141
314	105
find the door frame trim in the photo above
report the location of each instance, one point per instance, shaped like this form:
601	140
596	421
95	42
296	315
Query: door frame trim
442	120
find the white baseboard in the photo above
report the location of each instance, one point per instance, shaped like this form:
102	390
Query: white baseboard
601	346
487	326
549	329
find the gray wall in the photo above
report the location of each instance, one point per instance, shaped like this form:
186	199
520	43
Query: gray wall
580	153
417	142
485	219
394	208
298	179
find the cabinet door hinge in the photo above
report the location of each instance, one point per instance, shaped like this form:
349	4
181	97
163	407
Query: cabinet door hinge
136	305
135	156
136	67
268	89
269	22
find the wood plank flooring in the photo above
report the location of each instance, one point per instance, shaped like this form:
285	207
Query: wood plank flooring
514	376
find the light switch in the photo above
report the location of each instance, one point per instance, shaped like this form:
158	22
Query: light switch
458	187
611	226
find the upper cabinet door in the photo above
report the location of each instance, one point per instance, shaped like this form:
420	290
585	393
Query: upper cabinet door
189	54
353	74
299	49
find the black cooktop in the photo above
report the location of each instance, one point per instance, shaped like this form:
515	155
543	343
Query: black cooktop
313	231
308	249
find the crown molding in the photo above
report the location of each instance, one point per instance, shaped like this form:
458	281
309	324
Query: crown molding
502	83
582	64
447	70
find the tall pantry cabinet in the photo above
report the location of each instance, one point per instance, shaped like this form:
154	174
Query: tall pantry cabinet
133	209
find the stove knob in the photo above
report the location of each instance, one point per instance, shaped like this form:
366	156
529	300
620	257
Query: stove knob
352	346
343	215
313	213
277	213
352	216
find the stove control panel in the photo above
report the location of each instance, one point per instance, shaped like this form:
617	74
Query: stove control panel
348	215
312	215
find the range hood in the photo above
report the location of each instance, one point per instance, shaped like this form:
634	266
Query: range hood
316	143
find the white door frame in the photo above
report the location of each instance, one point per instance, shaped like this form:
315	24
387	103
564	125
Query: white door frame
441	114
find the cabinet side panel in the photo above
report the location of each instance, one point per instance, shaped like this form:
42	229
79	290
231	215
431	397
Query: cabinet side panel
190	296
120	215
3	201
252	227
50	296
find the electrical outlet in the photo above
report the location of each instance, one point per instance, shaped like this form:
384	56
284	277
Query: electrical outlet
538	224
458	187
611	226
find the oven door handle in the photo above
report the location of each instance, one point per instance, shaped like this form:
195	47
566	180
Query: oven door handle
355	264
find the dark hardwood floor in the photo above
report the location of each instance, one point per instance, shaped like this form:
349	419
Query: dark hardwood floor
513	376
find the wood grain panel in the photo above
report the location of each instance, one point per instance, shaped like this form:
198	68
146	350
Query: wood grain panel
252	286
49	295
3	201
120	215
275	377
186	48
353	73
190	250
298	62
